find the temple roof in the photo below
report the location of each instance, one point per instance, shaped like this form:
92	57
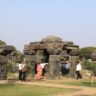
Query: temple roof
52	38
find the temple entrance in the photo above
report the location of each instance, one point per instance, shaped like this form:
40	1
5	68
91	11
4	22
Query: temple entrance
42	56
46	56
65	68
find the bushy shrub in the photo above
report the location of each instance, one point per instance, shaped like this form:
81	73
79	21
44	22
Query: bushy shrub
90	66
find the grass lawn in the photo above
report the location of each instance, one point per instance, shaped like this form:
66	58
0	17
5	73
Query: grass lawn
30	90
87	83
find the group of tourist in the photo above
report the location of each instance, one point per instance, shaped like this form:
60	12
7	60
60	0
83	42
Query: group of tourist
22	66
40	70
65	68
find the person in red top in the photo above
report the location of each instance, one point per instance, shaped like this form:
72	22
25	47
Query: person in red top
39	72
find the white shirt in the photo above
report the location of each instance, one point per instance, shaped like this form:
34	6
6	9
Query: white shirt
43	64
67	66
78	67
20	66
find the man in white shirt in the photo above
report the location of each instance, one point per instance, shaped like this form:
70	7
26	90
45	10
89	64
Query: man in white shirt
20	67
67	67
78	69
43	68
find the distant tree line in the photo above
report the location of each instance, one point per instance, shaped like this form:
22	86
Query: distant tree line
86	57
86	52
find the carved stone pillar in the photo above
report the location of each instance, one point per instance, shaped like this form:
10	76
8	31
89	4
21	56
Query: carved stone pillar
54	68
3	67
72	60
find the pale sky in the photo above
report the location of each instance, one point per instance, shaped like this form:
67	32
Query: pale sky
25	21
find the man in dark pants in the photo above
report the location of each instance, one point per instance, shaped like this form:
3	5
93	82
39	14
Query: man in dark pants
78	69
67	67
78	75
20	66
24	71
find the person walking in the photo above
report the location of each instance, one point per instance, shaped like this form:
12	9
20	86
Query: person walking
20	66
67	67
39	71
24	71
35	69
43	68
63	68
78	70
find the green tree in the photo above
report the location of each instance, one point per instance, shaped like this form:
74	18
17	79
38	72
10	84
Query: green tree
86	52
90	66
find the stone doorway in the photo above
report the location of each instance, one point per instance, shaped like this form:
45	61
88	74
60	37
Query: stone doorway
42	56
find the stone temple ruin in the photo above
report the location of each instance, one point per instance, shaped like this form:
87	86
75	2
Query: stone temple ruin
5	51
54	51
